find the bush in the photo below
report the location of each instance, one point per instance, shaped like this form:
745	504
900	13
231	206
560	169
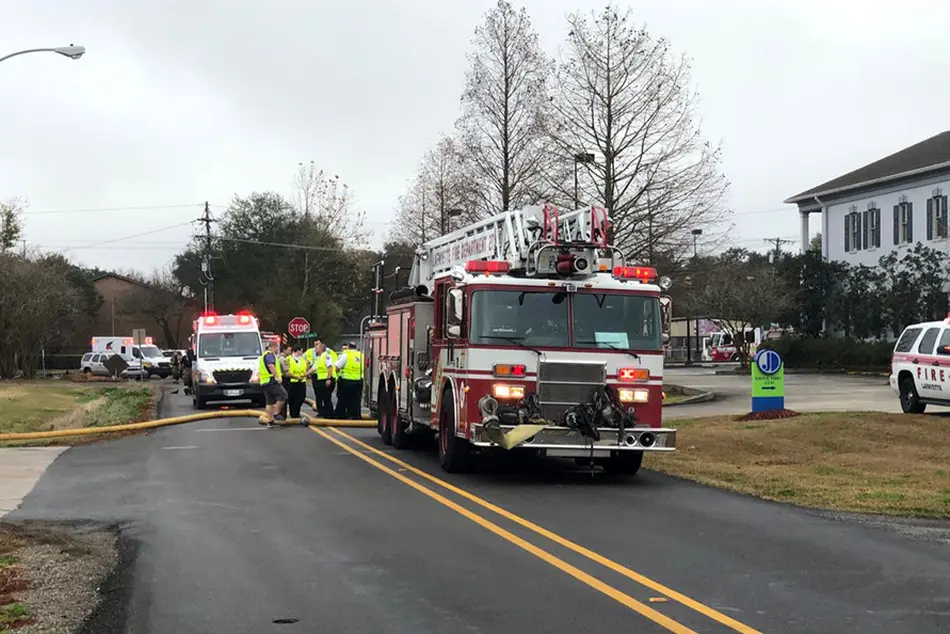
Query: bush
832	353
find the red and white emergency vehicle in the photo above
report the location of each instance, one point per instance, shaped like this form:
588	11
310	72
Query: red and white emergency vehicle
920	366
525	330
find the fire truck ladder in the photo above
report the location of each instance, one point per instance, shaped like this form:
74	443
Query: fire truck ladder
514	236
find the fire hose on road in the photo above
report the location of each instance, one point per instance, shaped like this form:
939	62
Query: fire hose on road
180	420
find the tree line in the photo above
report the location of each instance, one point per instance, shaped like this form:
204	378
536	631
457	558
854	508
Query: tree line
610	119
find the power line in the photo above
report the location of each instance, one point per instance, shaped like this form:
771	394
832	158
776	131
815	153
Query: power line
43	212
207	279
778	242
134	235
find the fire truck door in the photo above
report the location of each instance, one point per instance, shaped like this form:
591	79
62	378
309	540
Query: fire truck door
405	360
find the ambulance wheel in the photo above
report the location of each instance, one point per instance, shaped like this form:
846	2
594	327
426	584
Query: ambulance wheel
382	422
199	402
400	429
623	463
910	400
455	454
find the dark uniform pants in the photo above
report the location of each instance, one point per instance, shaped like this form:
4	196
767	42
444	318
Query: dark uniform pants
348	399
324	396
296	395
285	381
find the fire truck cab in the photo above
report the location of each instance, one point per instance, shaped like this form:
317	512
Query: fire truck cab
526	331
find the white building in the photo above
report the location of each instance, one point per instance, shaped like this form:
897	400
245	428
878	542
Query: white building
890	204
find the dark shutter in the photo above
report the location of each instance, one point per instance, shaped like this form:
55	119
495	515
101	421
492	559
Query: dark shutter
930	218
942	231
910	221
864	229
847	233
877	227
897	224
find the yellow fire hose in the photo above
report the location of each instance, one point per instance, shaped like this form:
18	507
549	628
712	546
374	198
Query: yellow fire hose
179	420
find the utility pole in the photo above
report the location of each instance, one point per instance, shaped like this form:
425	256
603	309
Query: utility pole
778	242
207	279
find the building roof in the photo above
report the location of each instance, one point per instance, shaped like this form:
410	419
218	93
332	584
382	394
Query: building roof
928	155
127	280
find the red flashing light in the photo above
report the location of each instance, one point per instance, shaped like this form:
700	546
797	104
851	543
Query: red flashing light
504	369
210	320
244	319
487	266
643	273
633	374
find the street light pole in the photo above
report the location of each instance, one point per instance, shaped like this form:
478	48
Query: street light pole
696	233
73	52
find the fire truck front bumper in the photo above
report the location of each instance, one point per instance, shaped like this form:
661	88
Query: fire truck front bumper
562	441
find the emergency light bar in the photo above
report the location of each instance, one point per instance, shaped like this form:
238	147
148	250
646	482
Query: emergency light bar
210	320
487	266
504	369
633	374
642	273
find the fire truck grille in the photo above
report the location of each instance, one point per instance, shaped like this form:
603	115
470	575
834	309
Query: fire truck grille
232	376
562	385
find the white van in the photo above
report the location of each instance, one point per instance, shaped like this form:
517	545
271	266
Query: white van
225	353
124	347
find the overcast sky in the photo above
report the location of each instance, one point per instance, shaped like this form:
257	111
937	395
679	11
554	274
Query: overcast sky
180	102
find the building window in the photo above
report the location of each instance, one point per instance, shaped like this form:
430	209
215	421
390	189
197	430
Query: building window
871	237
936	217
903	223
852	232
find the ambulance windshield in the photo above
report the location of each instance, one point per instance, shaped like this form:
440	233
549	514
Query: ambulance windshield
229	344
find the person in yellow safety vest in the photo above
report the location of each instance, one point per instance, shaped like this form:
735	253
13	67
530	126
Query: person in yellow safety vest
298	372
323	379
283	355
269	374
349	394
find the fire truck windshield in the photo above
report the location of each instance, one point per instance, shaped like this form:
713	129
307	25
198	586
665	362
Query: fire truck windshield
542	319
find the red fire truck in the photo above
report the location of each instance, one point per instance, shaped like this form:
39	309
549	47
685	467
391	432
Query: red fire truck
526	331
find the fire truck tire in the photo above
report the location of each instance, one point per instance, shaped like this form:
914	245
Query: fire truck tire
623	463
383	420
910	400
734	357
455	454
399	429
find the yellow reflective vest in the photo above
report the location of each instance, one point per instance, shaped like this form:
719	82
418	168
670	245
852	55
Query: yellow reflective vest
298	369
264	374
353	370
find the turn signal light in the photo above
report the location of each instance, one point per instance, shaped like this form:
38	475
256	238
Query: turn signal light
504	369
633	374
507	392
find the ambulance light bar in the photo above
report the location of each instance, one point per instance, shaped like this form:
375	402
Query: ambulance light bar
487	266
642	273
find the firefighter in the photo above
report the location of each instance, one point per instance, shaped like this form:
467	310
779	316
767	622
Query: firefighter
270	378
349	393
324	374
298	373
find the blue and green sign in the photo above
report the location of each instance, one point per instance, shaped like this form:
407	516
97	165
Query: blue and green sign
768	381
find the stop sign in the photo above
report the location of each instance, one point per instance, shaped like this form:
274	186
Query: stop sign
298	327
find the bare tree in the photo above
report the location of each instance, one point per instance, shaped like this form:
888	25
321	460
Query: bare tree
325	199
164	299
439	199
740	297
502	107
11	223
623	97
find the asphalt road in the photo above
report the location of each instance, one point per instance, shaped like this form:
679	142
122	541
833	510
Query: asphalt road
803	392
228	527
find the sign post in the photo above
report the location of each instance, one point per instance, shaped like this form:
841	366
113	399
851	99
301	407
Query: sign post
298	327
768	381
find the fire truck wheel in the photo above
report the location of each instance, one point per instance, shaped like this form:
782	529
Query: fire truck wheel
455	454
734	357
382	423
910	400
623	463
399	429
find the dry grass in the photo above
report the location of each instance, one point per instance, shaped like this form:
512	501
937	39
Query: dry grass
28	406
870	462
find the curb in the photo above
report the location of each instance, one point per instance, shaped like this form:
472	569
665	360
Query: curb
698	397
808	371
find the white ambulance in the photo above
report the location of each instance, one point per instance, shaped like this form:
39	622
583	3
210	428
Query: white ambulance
225	353
920	366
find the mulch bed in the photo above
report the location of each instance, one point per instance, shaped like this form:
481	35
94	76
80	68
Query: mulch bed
772	414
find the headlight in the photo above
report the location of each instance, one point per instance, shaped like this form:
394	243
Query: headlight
206	377
255	377
507	392
147	364
633	396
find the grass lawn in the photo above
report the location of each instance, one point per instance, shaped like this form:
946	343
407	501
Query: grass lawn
869	462
27	406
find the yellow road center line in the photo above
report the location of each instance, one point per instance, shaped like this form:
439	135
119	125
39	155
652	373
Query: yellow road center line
560	564
563	541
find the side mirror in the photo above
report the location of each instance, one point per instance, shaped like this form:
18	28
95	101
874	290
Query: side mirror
455	307
666	338
453	331
422	360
